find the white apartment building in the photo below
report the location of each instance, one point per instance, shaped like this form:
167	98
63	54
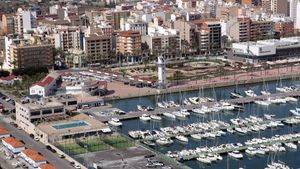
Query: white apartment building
68	38
25	21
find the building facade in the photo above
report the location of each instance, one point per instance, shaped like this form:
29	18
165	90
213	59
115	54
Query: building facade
97	48
31	55
129	42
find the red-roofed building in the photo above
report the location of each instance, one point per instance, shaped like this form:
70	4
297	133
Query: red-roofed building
33	157
46	166
12	144
47	86
3	132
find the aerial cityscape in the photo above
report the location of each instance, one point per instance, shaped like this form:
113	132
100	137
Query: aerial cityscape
166	84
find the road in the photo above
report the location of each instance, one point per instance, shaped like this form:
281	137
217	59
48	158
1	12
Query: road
30	143
4	164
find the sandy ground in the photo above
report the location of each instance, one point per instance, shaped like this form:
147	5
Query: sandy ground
119	90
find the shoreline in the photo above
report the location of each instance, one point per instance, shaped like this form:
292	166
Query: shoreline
217	82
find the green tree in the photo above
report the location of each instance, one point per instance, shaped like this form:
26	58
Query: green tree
178	75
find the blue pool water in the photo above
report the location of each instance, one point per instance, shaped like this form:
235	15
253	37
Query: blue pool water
72	124
291	158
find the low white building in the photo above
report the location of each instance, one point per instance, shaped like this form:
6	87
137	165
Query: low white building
45	87
33	157
13	145
271	49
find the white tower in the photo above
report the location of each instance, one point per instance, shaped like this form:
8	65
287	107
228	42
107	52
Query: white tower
161	65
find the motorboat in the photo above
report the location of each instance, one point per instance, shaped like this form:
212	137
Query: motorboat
141	108
155	117
115	122
135	134
291	145
182	138
198	111
251	151
164	141
291	99
185	112
250	93
170	115
197	136
263	103
236	154
295	112
204	159
277	165
145	117
179	114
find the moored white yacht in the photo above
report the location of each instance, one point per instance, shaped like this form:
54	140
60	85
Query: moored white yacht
164	141
169	115
155	117
145	117
182	138
115	122
236	154
250	93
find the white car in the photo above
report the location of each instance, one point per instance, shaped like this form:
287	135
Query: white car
77	166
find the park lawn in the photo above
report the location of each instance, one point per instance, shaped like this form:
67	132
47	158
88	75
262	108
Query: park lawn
72	148
118	142
95	144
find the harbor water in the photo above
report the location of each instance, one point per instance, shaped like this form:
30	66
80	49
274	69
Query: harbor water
290	157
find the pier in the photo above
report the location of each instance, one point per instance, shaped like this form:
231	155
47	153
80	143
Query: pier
238	101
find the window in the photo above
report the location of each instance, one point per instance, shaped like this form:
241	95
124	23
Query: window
47	111
60	110
35	113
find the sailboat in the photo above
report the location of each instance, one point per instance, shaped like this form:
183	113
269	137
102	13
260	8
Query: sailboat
235	94
265	90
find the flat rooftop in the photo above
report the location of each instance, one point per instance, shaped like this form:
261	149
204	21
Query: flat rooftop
80	123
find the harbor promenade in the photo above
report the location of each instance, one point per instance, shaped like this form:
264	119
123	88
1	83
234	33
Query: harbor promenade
229	79
238	101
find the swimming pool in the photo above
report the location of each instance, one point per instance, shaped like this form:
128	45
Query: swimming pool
72	124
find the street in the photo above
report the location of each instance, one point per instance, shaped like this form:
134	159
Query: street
30	143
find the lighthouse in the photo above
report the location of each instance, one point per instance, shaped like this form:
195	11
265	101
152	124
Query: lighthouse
161	67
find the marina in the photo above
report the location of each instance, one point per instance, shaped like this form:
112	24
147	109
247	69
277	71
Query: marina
272	120
238	101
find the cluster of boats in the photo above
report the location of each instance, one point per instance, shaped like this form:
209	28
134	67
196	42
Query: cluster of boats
186	101
255	146
277	165
251	93
144	108
278	100
209	130
198	131
253	124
